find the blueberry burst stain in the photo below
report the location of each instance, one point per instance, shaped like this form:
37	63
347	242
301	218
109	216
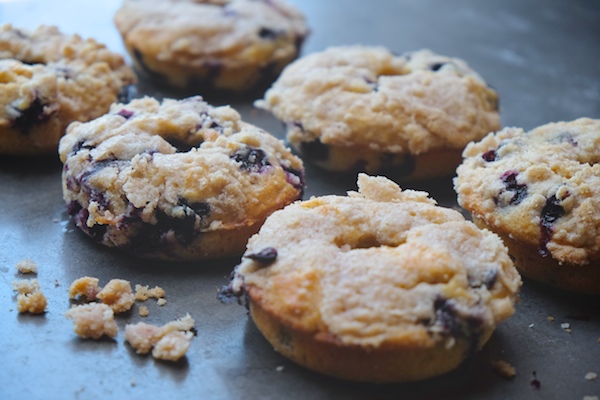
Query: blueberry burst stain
519	190
36	113
550	213
489	156
266	256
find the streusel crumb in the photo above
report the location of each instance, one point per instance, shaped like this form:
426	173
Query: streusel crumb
118	295
27	266
30	298
143	293
86	286
93	320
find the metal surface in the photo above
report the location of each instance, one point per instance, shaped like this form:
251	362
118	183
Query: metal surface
543	56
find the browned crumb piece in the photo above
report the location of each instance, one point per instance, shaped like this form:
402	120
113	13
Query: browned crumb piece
504	369
590	397
30	297
93	320
169	342
118	295
591	376
27	266
550	318
86	286
143	293
144	311
161	302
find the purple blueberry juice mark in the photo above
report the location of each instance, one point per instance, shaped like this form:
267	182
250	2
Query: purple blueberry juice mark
251	159
315	150
550	213
266	256
489	156
567	137
447	317
519	190
36	113
125	113
535	382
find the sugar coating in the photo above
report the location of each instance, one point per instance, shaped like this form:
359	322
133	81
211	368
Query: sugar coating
129	184
117	294
27	266
30	298
367	98
69	79
93	320
169	342
541	187
380	267
86	286
224	44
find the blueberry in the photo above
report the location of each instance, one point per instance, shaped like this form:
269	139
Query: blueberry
447	317
519	190
79	146
251	159
436	66
266	256
489	156
36	113
199	208
295	178
315	150
551	211
266	33
487	278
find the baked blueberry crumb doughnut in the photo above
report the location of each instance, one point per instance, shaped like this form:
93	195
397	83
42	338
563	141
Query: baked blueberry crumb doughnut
175	180
358	108
212	45
540	192
380	286
49	79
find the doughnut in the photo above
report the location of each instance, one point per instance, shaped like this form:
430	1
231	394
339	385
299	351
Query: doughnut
540	192
211	45
175	180
358	108
381	285
49	79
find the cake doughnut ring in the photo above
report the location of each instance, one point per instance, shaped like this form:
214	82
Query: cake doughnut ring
177	180
540	192
49	79
379	286
212	45
361	108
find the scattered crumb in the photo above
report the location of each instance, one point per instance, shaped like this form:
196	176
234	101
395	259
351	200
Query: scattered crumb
504	369
568	330
143	293
56	283
55	220
590	397
531	325
169	342
535	382
27	266
280	368
565	325
133	383
30	298
86	286
598	341
161	302
118	295
144	311
550	318
93	320
591	376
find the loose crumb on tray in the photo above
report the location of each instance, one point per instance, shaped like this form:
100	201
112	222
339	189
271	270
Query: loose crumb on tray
144	311
30	298
590	398
117	294
504	369
169	342
161	302
27	266
143	293
591	376
86	286
93	320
